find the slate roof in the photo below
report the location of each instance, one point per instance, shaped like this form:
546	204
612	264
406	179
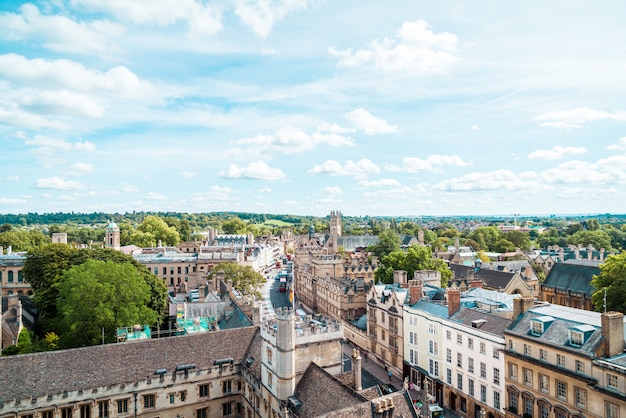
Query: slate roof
53	372
574	275
495	279
494	324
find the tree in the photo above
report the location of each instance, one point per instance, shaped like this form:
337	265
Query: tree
599	239
416	257
153	224
234	226
518	238
245	279
5	228
504	246
388	242
99	296
486	236
610	282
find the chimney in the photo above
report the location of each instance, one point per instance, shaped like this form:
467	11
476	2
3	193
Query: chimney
613	333
454	300
415	291
356	369
476	283
456	244
521	305
400	277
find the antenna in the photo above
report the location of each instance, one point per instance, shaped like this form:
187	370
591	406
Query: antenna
605	300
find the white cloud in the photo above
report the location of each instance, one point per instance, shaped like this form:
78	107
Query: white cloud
256	170
619	146
60	33
359	169
12	178
604	171
415	48
415	164
379	183
332	191
154	196
264	189
494	180
290	140
261	15
575	118
368	123
79	169
474	127
60	102
188	174
12	116
12	201
555	153
214	193
58	183
334	128
129	188
118	81
47	146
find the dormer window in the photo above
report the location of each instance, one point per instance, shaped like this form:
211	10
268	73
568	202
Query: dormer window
540	324
578	335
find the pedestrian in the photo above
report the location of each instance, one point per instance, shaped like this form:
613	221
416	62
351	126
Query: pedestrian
389	374
365	355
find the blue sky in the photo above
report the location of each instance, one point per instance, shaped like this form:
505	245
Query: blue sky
295	106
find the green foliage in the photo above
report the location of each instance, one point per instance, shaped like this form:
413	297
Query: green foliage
518	238
22	239
52	341
504	246
612	280
245	279
156	227
486	237
388	242
599	239
416	257
99	295
234	226
538	271
24	342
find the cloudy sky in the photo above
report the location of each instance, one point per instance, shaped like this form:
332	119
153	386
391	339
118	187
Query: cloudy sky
303	106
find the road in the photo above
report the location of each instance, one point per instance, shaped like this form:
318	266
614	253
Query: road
272	298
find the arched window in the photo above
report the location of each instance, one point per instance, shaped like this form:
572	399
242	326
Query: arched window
20	277
10	277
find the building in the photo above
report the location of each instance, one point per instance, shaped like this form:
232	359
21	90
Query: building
569	284
564	362
11	279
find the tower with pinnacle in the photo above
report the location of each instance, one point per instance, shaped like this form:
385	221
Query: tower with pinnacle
335	223
112	237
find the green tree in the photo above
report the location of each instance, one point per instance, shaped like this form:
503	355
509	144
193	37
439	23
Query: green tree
143	239
245	279
416	257
234	226
486	236
24	342
100	295
388	242
518	238
153	224
504	246
612	282
599	239
5	228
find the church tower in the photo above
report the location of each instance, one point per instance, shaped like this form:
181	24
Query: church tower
335	223
112	237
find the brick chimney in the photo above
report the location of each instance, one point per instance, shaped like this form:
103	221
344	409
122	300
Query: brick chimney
613	333
521	305
400	277
476	283
415	291
454	300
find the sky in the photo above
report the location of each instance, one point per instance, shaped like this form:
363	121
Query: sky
403	108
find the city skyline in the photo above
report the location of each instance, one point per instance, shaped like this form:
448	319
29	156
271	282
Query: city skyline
296	106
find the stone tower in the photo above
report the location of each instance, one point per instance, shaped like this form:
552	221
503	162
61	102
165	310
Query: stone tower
112	237
335	223
278	366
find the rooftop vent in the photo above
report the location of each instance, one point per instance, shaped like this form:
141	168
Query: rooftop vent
478	323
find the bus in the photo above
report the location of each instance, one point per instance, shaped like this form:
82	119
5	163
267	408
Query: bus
282	285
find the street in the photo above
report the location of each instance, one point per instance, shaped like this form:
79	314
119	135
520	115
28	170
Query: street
272	298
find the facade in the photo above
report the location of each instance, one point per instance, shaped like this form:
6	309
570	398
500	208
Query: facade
564	362
11	279
569	284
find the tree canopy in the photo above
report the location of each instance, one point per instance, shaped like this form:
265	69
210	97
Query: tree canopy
416	257
152	230
245	279
96	297
388	242
612	280
234	226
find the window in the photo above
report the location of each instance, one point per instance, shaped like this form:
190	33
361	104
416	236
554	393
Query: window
433	367
511	345
459	359
382	335
449	376
470	387
496	399
183	395
10	277
85	411
148	401
204	390
66	413
544	412
544	383
382	317
483	393
496	352
528	377
412	338
459	339
611	410
269	356
227	386
483	370
46	414
448	335
560	360
543	354
432	347
470	343
483	348
561	390
576	338
202	413
227	409
470	365
432	329
581	397
269	378
528	407
463	405
580	366
122	406
496	376
611	381
172	398
512	371
412	356
448	355
459	381
103	409
527	350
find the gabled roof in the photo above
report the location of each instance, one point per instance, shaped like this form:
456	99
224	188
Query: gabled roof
574	275
52	372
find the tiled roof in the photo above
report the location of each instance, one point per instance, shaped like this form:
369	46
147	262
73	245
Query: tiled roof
90	367
493	324
574	275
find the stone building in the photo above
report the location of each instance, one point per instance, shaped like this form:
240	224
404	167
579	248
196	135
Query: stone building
569	284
